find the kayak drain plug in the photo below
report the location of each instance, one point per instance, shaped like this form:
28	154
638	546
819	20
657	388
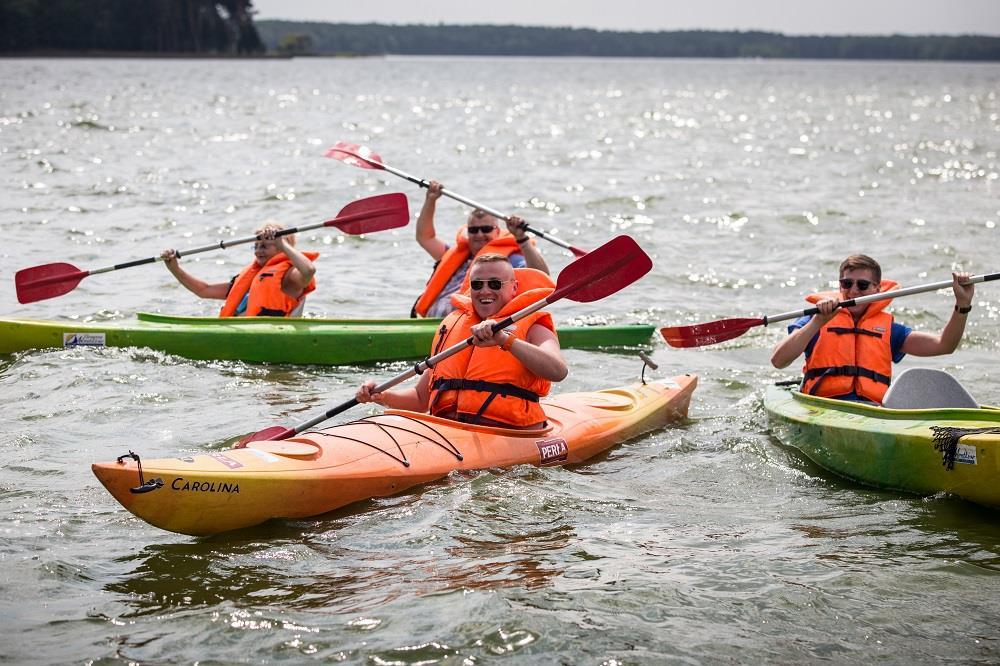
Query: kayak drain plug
144	486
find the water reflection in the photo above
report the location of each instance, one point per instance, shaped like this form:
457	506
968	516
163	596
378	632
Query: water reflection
335	562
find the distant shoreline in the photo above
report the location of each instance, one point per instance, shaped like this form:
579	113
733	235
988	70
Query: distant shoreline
372	39
281	40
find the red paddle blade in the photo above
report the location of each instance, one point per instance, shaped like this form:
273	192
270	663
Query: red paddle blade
46	281
601	272
267	434
700	335
355	155
378	213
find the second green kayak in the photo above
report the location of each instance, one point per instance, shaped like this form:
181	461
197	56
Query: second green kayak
954	450
278	339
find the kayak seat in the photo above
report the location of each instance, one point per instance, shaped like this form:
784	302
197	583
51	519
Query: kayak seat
927	388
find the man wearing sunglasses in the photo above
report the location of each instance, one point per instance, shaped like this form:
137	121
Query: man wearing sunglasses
481	235
850	351
274	284
499	379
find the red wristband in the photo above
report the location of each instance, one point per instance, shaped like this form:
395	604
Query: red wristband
509	342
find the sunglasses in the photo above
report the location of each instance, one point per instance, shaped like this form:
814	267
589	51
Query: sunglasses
263	244
847	283
481	230
492	283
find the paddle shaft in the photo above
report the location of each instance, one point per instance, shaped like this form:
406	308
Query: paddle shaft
469	202
428	363
240	241
881	296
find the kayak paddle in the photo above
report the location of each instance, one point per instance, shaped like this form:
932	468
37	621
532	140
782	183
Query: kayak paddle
710	333
364	158
602	272
378	213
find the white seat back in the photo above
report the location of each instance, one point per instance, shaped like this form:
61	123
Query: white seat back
926	388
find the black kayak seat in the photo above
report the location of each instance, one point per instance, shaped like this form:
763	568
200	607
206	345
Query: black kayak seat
927	388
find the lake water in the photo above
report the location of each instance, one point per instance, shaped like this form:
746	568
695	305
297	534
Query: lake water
708	542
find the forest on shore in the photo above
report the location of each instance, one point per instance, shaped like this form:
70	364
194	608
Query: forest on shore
305	38
227	27
129	26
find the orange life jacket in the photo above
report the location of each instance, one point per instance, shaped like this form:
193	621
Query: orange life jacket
487	382
264	284
852	356
452	260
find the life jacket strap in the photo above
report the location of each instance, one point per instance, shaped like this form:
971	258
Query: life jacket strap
842	371
845	330
505	390
493	388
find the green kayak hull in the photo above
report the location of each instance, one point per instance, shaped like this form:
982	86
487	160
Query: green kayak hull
278	339
891	448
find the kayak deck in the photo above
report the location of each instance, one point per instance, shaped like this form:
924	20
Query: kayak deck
316	472
894	449
277	339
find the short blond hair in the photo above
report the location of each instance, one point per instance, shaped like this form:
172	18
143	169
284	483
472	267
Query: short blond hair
489	258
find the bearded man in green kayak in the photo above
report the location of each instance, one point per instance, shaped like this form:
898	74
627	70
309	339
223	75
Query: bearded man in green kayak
850	350
274	284
481	235
497	380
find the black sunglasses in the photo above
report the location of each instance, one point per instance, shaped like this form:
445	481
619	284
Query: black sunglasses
485	229
492	283
847	283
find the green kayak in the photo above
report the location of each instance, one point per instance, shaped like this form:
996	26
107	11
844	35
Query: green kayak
921	449
278	339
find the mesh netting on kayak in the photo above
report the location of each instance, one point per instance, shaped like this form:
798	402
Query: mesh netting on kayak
383	424
946	441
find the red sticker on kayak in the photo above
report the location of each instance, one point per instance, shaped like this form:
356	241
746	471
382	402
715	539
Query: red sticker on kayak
552	450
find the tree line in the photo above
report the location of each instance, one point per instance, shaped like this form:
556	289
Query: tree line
227	27
294	37
138	26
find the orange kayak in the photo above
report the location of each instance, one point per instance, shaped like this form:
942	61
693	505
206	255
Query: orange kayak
377	456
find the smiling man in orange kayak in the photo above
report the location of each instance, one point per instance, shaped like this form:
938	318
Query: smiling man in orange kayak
481	235
498	379
850	350
274	284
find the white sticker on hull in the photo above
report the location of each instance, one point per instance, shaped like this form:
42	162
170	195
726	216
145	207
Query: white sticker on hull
965	454
83	340
263	455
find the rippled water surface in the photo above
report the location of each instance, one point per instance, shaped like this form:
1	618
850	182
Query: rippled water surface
707	542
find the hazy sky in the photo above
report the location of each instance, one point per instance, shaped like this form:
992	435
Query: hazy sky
945	17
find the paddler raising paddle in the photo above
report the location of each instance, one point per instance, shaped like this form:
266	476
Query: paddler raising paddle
274	284
481	235
498	380
850	351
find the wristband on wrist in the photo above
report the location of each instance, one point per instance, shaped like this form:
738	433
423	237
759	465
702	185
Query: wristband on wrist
966	310
522	241
508	341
